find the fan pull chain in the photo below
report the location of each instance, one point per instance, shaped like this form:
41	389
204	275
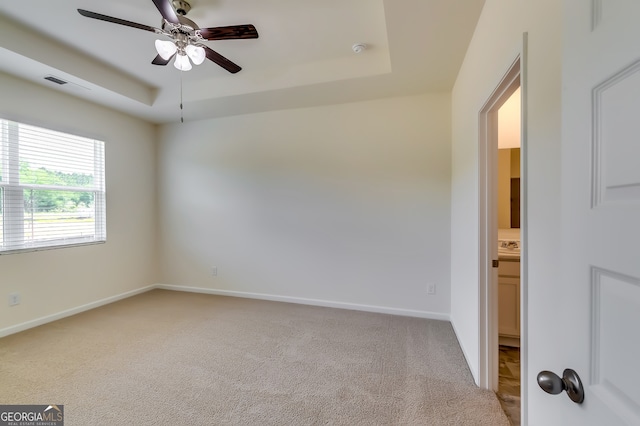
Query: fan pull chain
181	108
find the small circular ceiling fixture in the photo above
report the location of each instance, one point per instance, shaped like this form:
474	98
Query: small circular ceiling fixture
359	47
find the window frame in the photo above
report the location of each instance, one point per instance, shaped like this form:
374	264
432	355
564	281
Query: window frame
14	239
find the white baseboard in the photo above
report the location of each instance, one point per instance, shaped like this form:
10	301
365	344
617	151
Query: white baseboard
299	300
313	302
474	372
53	317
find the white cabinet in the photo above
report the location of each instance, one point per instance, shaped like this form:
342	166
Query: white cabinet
509	301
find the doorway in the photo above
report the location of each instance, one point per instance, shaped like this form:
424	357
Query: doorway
509	243
502	241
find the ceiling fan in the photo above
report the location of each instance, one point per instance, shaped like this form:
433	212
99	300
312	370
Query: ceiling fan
186	37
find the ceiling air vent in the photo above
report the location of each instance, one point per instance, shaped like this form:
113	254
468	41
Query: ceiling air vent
55	80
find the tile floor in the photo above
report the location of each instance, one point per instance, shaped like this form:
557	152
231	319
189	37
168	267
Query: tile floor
509	383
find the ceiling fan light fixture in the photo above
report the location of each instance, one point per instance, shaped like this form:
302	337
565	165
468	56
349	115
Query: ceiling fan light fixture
183	32
195	53
182	62
166	49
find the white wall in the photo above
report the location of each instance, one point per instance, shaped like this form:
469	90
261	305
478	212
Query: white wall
345	203
53	281
495	45
543	21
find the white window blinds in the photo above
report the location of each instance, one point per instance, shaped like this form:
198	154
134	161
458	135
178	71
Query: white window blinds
52	189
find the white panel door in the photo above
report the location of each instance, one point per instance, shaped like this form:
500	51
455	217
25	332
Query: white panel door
600	285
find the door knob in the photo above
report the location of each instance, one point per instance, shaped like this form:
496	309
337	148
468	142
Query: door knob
551	383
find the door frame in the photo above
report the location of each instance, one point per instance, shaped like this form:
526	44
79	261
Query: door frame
516	76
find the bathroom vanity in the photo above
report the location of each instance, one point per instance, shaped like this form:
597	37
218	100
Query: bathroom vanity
509	288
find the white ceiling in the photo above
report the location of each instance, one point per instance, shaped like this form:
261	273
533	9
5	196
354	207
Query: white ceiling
302	58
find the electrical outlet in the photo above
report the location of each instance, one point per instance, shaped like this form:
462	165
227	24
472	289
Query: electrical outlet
14	299
214	271
431	288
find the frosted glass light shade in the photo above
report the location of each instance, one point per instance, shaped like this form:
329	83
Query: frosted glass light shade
182	62
166	49
196	53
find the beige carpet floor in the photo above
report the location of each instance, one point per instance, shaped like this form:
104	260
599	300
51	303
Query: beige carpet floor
171	358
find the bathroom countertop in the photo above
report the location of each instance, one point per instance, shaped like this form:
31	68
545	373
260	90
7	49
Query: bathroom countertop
511	257
509	244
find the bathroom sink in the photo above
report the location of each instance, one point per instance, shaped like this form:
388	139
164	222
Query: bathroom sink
509	248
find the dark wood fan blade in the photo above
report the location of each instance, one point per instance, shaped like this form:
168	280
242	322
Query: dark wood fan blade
159	60
229	33
106	18
166	10
221	60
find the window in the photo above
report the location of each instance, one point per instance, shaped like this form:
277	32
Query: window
52	190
